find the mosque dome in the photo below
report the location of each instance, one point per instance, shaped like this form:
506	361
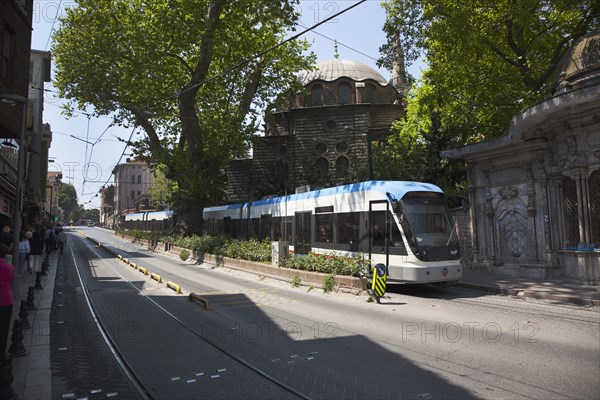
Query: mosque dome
333	69
580	63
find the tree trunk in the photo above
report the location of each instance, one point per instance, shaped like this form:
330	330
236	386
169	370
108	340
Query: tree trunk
188	217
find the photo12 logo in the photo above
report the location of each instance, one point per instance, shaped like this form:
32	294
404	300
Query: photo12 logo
313	12
49	11
472	332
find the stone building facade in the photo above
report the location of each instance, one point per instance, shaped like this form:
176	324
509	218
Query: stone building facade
322	136
535	192
132	179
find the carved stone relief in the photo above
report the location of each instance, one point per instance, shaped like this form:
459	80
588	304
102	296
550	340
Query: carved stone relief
508	176
513	230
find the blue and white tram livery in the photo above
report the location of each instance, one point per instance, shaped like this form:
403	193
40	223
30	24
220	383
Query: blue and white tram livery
404	225
149	221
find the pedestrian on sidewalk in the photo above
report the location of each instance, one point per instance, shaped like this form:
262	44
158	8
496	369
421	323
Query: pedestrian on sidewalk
62	239
24	249
49	238
37	249
6	238
7	273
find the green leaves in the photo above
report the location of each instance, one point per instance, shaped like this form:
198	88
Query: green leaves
487	62
193	74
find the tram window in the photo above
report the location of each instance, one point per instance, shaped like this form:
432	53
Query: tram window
265	226
348	228
254	227
302	239
287	229
378	228
277	228
378	231
324	228
227	226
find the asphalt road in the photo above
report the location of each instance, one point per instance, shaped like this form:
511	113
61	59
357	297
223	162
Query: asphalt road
269	340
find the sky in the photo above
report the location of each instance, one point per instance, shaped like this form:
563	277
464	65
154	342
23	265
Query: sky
82	141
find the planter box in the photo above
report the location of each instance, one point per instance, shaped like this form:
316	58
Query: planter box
285	274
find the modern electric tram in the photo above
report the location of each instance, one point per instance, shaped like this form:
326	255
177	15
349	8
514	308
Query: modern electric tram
404	225
149	220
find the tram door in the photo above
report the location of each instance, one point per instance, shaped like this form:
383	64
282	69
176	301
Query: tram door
302	232
379	248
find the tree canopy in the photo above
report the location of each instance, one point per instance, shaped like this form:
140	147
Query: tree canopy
194	76
487	61
67	200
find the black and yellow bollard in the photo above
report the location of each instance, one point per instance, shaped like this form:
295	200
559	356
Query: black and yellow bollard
379	281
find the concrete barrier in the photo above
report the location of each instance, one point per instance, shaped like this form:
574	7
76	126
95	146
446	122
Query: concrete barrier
174	286
156	277
197	297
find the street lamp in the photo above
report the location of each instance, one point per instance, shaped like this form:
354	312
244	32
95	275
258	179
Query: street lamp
17	212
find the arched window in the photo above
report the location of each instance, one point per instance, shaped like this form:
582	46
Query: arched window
570	215
342	167
317	94
371	94
320	148
345	93
322	167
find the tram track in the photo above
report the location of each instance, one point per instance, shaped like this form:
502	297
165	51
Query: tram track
503	304
130	370
449	358
122	363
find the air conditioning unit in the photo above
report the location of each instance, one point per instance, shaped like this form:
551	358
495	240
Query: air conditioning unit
303	189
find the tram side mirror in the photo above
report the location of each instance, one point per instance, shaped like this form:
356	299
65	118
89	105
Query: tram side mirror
401	218
395	205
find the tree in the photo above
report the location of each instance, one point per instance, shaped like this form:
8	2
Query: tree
162	190
77	213
67	200
193	75
91	214
487	62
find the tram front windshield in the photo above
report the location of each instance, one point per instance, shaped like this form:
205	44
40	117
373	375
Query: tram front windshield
430	229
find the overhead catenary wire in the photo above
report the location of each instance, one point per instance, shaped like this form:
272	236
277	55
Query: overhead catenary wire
120	158
262	53
341	44
52	27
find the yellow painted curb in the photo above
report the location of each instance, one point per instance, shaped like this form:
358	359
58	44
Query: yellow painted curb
143	270
156	277
174	286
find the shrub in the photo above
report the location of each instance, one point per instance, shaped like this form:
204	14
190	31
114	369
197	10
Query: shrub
251	250
256	250
296	282
328	283
184	255
329	264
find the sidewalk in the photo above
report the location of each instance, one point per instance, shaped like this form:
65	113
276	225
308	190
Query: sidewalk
558	291
32	373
